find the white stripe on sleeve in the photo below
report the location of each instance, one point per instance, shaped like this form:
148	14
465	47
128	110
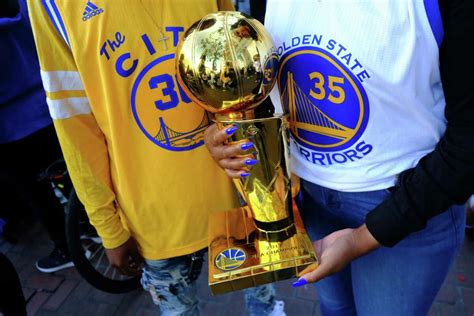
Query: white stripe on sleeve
66	108
54	81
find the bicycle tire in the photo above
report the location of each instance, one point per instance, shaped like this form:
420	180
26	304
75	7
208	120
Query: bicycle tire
81	262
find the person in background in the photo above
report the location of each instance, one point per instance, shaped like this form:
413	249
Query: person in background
133	141
12	300
256	9
28	142
470	217
381	103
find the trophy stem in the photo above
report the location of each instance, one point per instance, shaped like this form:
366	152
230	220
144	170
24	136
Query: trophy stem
234	116
267	190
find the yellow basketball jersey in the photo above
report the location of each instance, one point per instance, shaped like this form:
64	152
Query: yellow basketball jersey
132	139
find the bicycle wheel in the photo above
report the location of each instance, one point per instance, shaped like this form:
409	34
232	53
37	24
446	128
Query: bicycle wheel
95	268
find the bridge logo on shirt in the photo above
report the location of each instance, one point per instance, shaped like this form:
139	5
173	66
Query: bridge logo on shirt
230	259
163	111
328	106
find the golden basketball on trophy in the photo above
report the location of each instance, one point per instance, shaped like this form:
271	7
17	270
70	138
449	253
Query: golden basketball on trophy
227	64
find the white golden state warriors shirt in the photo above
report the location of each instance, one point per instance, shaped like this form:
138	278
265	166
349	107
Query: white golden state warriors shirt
361	82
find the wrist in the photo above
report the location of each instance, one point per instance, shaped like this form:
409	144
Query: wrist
365	242
117	240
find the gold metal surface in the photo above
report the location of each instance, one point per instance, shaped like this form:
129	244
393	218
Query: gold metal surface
227	64
264	261
266	189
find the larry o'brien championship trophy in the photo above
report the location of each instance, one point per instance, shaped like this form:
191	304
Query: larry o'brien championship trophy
227	64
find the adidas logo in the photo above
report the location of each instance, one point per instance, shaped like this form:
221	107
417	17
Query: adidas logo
90	11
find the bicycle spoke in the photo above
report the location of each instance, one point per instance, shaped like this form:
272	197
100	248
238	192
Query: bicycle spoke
113	273
107	270
95	253
100	259
88	248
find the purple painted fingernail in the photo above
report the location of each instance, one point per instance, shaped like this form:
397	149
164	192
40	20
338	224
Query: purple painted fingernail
231	130
300	282
251	162
246	146
244	174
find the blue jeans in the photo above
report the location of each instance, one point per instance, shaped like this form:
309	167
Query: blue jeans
402	280
174	291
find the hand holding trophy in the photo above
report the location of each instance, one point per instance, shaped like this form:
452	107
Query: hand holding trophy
227	64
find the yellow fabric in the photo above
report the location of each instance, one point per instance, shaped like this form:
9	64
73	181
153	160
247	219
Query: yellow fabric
133	146
65	94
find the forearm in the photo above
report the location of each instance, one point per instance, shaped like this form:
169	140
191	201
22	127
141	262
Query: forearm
365	240
82	140
443	177
86	155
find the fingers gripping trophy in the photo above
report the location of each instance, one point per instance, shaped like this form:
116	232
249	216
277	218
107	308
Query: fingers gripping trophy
227	64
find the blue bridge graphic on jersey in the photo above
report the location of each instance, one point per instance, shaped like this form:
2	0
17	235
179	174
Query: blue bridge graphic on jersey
307	116
173	138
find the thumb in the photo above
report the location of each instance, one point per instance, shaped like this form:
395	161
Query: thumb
308	269
312	276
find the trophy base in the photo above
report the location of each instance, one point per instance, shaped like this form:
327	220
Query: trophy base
239	257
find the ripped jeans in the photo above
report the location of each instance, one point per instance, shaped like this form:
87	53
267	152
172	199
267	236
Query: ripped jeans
172	285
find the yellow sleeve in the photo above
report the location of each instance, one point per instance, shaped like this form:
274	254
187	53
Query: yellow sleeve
225	5
82	142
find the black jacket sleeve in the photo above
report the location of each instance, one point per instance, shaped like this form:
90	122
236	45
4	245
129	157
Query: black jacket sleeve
445	176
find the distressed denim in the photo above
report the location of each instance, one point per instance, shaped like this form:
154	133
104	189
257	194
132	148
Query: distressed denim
172	290
402	280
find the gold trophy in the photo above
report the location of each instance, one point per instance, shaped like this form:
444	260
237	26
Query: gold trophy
227	64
